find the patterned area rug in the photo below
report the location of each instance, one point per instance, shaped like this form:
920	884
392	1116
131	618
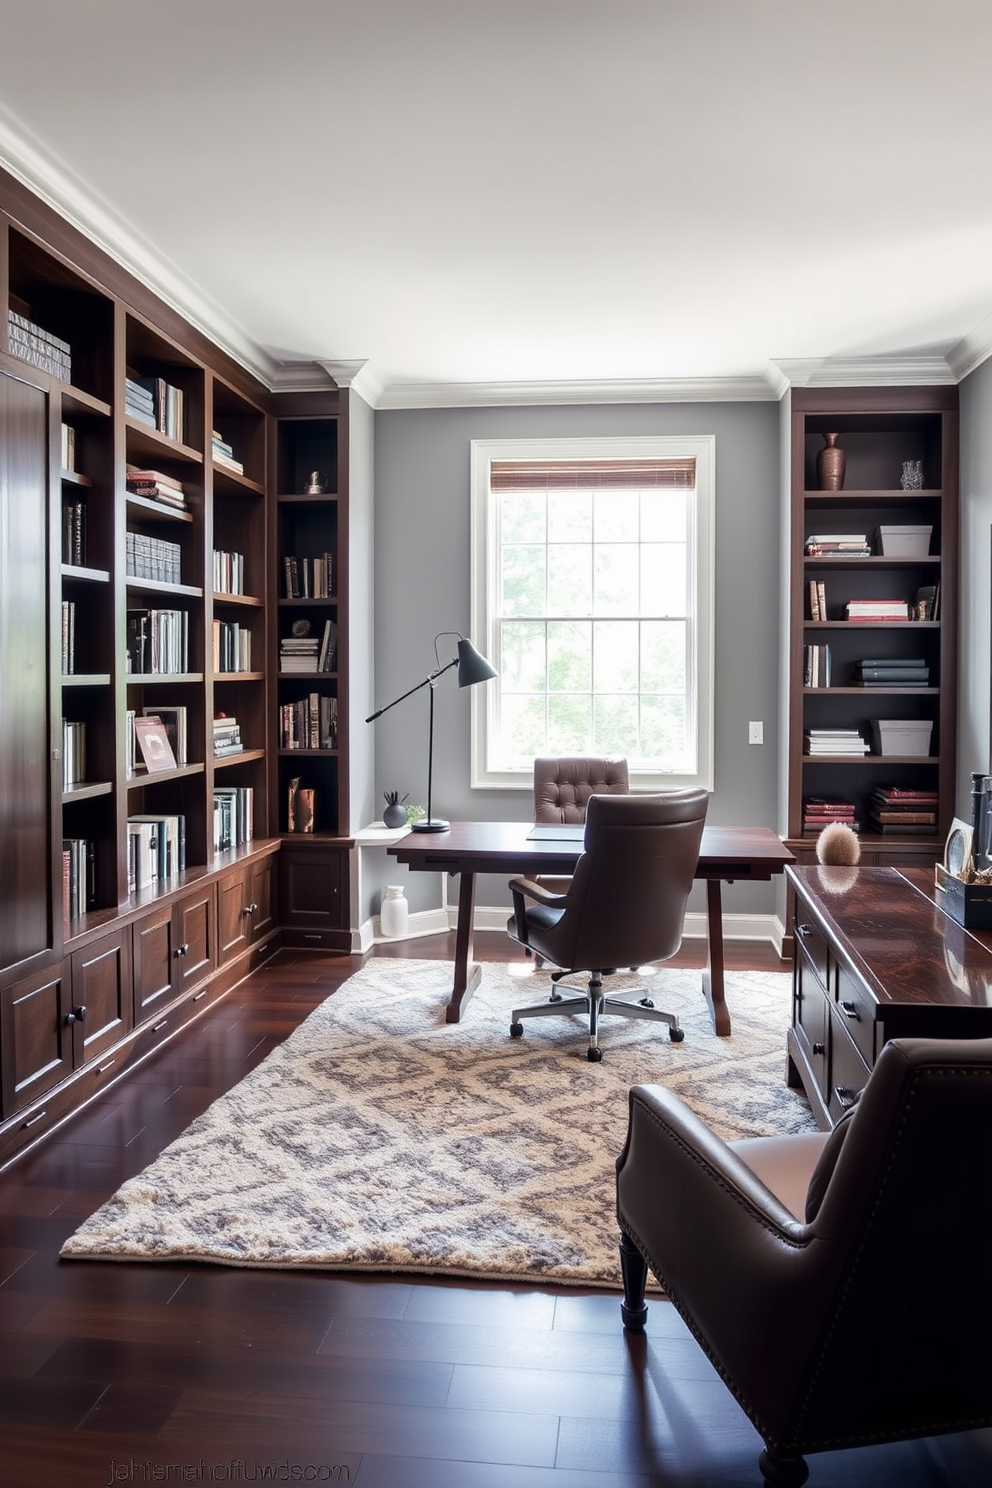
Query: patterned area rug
380	1138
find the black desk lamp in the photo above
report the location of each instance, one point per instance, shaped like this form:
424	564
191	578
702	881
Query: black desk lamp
472	668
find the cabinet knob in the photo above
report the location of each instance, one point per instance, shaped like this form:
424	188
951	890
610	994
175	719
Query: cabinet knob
250	909
819	1048
845	1097
181	950
804	930
850	1010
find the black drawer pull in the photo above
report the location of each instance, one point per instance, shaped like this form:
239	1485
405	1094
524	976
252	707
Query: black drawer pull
845	1097
38	1116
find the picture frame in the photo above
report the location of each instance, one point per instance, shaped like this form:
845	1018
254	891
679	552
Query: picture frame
152	739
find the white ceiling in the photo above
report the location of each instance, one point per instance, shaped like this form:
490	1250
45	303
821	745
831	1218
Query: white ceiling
530	198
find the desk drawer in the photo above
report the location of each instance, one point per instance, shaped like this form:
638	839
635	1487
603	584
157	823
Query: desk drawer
813	944
856	1012
848	1071
810	1012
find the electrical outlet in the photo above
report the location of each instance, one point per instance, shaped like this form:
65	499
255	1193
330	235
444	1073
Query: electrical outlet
756	733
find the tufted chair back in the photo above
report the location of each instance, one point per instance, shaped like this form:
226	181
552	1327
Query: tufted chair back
563	786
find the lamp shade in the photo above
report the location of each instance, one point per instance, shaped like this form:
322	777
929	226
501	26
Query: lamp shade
472	665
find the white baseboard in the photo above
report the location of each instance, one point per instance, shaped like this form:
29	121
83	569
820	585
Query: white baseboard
766	927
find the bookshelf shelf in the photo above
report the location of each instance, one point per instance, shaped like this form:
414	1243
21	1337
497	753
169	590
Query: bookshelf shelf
84	575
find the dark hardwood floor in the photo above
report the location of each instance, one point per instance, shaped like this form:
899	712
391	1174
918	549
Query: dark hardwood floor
143	1373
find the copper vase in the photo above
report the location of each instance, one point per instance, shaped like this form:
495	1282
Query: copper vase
830	464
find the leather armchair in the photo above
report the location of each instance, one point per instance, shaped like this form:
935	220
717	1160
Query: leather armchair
562	786
840	1284
624	906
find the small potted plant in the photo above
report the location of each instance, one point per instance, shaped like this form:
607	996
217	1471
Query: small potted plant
395	812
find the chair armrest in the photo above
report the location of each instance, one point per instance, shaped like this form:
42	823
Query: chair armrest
530	888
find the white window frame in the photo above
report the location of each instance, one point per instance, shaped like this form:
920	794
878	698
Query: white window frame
701	448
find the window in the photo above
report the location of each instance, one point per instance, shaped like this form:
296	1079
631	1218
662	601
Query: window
592	596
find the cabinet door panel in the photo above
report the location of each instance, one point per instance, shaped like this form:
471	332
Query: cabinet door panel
154	964
25	768
233	920
263	897
195	928
102	994
311	882
37	1040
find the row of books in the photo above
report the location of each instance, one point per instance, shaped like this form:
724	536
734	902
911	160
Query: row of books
816	666
78	876
223	453
152	558
68	637
68	448
157	641
32	343
156	845
309	578
926	605
228	572
74	532
834	741
231	646
227	735
819	811
155	403
309	723
233	821
73	753
155	485
897	810
307	653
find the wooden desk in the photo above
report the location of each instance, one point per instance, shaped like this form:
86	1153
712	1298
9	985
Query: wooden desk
468	848
876	958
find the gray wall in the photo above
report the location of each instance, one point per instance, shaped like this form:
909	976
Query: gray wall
974	614
361	612
422	525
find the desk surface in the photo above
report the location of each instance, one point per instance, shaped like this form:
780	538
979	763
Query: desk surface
494	847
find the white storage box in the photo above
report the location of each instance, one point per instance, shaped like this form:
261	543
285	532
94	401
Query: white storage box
904	542
902	735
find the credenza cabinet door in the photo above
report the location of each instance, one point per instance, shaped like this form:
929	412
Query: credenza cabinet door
25	769
35	1037
102	1010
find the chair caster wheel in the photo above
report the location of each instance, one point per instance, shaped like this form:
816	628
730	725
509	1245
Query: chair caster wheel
516	1030
555	997
594	1056
676	1035
647	1002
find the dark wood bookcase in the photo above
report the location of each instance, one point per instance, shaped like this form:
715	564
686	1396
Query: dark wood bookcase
879	429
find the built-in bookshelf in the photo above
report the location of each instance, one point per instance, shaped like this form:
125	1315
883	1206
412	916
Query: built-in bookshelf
873	659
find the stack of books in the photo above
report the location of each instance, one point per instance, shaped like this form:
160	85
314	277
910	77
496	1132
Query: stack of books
877	609
156	487
156	849
227	736
73	753
816	663
33	344
838	545
819	811
896	809
309	723
233	816
223	454
228	572
837	741
888	671
155	403
299	653
78	876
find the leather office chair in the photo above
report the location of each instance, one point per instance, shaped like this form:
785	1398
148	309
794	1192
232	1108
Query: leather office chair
840	1284
563	786
624	906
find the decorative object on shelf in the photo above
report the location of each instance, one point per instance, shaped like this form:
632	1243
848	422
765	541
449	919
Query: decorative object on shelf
912	475
831	463
472	668
394	913
395	812
301	805
838	844
316	484
300	627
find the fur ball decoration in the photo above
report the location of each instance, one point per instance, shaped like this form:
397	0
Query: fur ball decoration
837	843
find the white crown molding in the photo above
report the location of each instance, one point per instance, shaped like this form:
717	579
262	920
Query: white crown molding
916	371
25	158
972	350
616	390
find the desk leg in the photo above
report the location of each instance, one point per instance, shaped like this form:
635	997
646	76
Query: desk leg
713	974
467	974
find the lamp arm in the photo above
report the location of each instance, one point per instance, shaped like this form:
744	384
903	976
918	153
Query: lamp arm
427	682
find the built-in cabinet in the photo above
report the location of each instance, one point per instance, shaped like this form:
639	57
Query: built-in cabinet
872	676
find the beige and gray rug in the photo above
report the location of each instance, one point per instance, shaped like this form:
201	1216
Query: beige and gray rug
380	1138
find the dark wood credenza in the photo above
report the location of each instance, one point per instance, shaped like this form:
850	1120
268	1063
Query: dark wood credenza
876	958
